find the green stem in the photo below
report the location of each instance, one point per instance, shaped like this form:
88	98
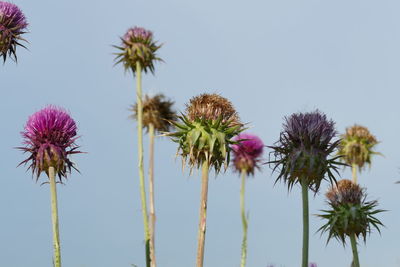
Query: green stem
54	218
140	156
304	191
244	220
354	172
203	214
151	196
356	262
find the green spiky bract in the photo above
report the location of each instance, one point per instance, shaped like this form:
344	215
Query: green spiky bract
205	140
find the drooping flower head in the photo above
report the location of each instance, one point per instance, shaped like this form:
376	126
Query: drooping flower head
157	110
205	131
357	146
247	152
12	26
138	46
49	138
303	149
349	213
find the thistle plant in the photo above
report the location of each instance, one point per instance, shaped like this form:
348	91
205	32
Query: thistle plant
204	135
138	53
302	156
247	152
349	215
49	139
157	114
12	25
357	147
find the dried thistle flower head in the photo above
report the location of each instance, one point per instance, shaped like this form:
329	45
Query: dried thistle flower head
357	146
157	110
303	149
247	152
138	46
345	191
50	136
12	26
349	213
205	131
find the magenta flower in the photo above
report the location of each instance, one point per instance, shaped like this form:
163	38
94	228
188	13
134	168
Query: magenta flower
12	26
49	136
247	152
138	33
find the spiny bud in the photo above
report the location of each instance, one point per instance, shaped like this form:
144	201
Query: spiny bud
138	47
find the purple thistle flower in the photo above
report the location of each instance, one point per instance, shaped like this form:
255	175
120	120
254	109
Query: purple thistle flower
12	26
247	152
137	33
303	149
49	136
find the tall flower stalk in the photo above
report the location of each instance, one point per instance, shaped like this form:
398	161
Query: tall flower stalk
49	139
349	215
247	152
12	25
204	135
302	156
138	54
356	148
157	114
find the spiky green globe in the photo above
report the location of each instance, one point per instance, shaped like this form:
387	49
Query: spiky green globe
349	213
205	131
357	146
138	46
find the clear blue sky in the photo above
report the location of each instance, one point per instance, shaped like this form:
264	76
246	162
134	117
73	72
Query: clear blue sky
270	58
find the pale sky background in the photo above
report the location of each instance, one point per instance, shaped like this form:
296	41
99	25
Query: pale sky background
270	58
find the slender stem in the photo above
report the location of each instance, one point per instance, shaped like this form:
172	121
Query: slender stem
356	262
54	218
140	156
354	172
203	214
244	220
151	196
304	191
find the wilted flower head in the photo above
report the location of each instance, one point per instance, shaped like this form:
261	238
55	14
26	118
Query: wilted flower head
12	26
349	212
138	47
49	136
247	152
356	146
303	149
157	110
205	131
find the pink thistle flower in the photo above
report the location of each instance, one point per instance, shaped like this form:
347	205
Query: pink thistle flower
247	152
12	26
49	136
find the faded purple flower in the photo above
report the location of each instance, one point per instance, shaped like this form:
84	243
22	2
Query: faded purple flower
313	264
49	137
138	47
12	26
303	148
138	33
247	152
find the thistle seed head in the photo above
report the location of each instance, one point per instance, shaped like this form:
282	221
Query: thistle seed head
157	110
247	152
357	146
49	139
345	191
205	131
138	46
12	26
